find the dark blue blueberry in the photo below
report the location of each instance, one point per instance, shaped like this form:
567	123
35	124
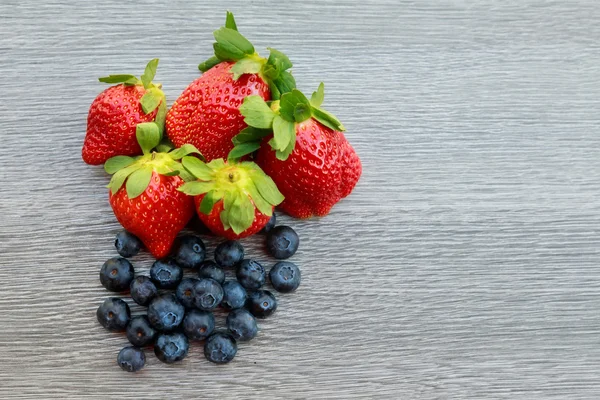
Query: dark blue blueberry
190	251
143	290
198	325
242	325
208	294
229	254
131	359
166	273
270	225
261	303
220	348
285	276
282	242
127	244
251	274
116	274
171	347
139	331
165	313
234	295
210	269
186	292
113	314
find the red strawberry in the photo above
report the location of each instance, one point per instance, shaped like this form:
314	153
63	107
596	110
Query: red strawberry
214	223
157	215
233	199
116	112
313	164
207	112
149	205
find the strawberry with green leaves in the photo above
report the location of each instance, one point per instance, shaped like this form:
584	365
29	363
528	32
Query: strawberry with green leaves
115	113
307	155
143	191
233	199
207	112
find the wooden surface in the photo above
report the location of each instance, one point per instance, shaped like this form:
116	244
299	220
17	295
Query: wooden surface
466	264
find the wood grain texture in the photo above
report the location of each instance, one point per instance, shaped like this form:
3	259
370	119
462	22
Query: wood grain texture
466	264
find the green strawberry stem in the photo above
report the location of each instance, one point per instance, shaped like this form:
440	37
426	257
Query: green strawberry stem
136	172
154	96
242	186
230	45
280	118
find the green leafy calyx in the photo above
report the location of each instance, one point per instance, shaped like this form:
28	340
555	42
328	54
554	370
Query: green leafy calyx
154	96
242	186
280	118
136	172
230	45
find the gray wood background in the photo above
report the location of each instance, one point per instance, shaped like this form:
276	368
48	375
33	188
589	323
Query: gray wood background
466	264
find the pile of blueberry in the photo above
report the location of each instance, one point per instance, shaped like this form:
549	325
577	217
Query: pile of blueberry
181	309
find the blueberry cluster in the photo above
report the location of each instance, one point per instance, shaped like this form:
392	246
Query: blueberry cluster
180	309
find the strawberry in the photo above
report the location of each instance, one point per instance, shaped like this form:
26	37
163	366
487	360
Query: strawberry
116	112
149	204
207	112
308	156
233	199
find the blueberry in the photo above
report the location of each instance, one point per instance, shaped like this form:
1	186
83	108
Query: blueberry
113	314
210	269
131	359
116	274
143	290
242	325
166	273
229	254
186	293
127	244
198	325
267	228
234	295
285	276
220	348
171	347
207	294
165	313
282	242
261	303
139	331
190	251
251	274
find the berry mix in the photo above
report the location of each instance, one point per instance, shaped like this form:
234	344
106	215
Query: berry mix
238	142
